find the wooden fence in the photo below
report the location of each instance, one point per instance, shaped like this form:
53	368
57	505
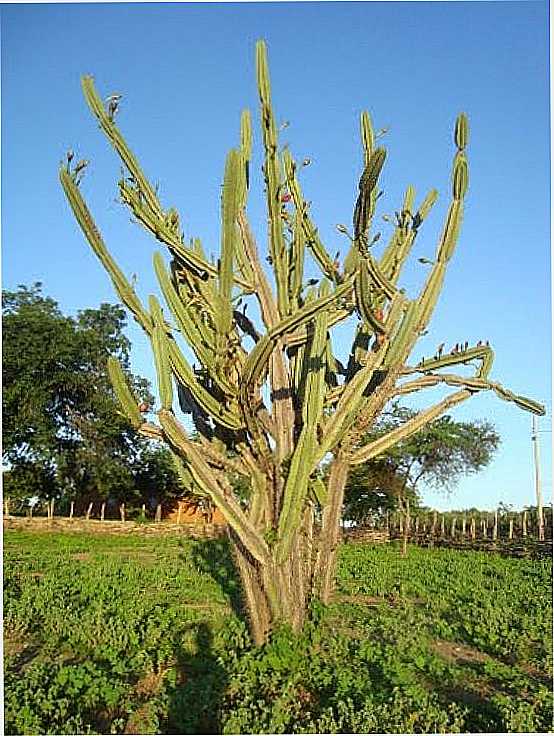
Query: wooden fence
479	526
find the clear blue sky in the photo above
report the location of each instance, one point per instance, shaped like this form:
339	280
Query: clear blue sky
187	70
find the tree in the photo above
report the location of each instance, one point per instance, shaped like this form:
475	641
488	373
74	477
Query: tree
64	434
271	400
437	455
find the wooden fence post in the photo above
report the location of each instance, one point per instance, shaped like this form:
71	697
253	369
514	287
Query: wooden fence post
102	510
511	530
463	526
472	528
483	528
495	527
442	526
122	512
453	527
89	510
524	524
71	509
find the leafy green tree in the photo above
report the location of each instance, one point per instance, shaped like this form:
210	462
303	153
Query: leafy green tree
438	455
155	475
63	432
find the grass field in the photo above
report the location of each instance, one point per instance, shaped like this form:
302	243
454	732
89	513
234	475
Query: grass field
108	634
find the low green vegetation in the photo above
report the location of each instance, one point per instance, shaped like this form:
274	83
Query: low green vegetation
111	634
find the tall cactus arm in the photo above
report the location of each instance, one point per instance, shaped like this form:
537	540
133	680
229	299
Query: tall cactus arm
224	416
365	453
311	235
272	174
231	201
282	409
302	465
447	243
353	394
403	238
141	197
296	263
191	328
214	485
268	306
126	399
161	355
483	353
116	139
84	218
472	384
363	210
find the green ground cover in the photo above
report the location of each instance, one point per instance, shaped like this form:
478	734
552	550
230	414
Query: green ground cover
107	634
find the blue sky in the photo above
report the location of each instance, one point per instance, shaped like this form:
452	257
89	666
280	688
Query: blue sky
186	71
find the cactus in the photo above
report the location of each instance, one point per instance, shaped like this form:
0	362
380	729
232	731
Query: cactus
276	410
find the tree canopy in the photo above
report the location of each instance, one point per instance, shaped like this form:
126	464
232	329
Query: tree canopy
64	434
438	455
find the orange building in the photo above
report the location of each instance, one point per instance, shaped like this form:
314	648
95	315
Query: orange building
185	513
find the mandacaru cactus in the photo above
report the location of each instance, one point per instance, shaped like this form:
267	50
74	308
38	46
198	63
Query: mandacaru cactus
271	402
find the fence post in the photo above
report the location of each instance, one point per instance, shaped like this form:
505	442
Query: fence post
453	527
89	510
122	512
159	512
442	526
495	526
463	526
472	528
434	524
511	530
483	528
102	510
524	524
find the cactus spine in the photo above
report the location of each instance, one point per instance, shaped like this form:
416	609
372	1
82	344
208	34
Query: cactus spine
274	410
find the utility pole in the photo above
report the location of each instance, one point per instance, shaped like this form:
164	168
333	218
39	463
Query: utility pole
538	489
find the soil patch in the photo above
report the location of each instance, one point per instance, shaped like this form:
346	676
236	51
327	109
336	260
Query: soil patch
458	653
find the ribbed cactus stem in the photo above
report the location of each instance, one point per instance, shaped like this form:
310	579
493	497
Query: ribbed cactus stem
367	136
161	355
122	391
377	447
272	172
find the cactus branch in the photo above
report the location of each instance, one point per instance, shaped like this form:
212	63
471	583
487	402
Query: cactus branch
406	430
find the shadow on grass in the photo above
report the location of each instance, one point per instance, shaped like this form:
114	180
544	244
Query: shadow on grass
194	702
213	557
